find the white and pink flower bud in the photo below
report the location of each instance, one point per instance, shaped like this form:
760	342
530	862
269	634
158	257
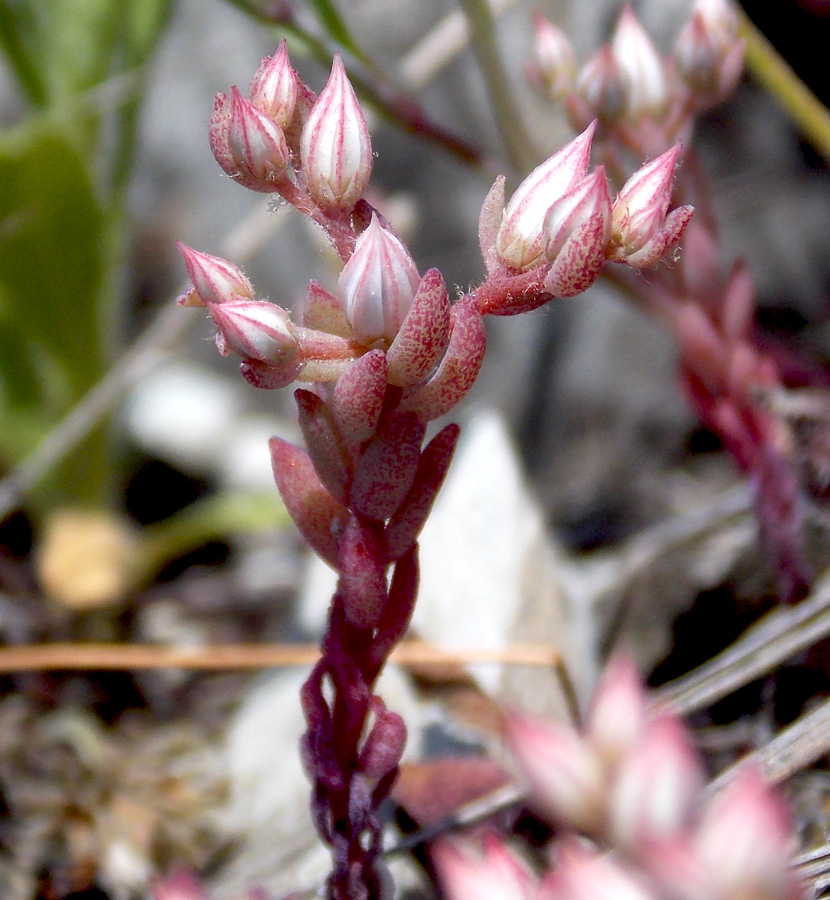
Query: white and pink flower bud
721	20
708	53
565	775
746	843
641	230
584	874
214	280
377	285
641	67
247	143
554	57
577	228
520	241
254	329
494	875
274	87
617	717
600	88
335	147
657	787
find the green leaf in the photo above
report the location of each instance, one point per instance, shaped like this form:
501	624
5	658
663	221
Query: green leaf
336	28
51	279
143	21
18	40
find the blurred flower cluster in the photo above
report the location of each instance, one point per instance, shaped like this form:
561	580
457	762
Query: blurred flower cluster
628	795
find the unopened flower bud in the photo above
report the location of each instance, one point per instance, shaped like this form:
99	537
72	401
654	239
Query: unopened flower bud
247	143
335	148
640	229
254	329
255	140
566	776
601	86
617	717
641	67
721	20
274	87
554	56
214	280
584	874
495	874
708	54
577	228
746	842
657	787
377	285
520	241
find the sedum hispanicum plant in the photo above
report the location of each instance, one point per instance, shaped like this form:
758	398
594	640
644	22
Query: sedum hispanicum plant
388	350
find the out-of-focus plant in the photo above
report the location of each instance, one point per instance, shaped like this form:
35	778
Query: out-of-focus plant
646	104
65	160
635	820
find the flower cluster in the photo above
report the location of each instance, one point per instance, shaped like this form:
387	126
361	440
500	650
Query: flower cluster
646	104
313	151
633	784
560	227
630	88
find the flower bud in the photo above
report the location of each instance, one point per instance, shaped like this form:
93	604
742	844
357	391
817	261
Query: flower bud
577	228
746	842
566	777
721	21
273	88
617	717
554	56
495	874
640	229
335	147
377	285
520	240
657	787
708	53
641	68
601	87
214	280
584	874
247	143
254	329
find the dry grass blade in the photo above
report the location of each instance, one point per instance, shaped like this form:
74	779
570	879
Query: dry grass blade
799	745
86	657
774	639
815	868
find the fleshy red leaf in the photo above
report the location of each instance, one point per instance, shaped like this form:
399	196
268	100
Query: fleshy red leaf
458	369
423	335
357	399
362	582
331	458
407	521
387	467
318	516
